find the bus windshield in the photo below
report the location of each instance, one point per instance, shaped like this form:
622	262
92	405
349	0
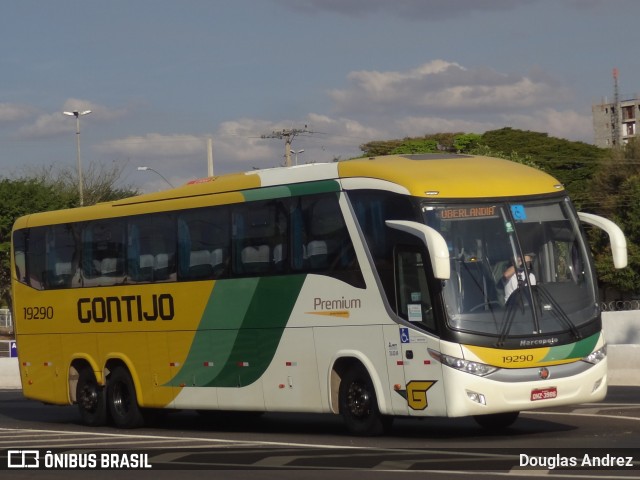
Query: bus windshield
517	269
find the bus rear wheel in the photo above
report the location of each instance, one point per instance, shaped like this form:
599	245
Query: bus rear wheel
122	399
496	421
359	404
91	399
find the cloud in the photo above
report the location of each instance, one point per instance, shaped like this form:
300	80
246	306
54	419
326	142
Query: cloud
48	125
154	145
13	112
436	96
557	123
440	86
430	10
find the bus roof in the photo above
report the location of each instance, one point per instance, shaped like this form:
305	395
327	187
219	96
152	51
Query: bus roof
454	176
438	176
451	175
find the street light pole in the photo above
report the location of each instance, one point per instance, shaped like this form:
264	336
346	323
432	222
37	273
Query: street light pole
78	114
144	169
296	153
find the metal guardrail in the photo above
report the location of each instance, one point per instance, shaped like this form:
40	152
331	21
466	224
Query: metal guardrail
620	305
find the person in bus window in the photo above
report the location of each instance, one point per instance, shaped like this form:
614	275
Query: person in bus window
514	277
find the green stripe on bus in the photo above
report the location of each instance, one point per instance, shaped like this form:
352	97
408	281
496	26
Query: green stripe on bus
266	193
217	331
240	331
310	188
585	347
577	350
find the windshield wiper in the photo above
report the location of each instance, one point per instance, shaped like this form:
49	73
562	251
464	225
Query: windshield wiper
515	298
556	309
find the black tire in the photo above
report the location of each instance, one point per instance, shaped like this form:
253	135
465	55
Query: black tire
496	421
359	404
122	400
91	399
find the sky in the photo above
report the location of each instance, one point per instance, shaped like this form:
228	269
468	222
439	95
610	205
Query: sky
162	76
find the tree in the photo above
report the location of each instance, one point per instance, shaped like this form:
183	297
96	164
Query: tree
485	151
614	193
573	163
466	142
100	182
413	146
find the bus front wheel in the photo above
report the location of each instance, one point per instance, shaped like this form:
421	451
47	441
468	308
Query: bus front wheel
359	404
91	399
122	399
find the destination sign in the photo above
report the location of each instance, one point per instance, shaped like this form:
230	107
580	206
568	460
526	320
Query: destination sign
467	212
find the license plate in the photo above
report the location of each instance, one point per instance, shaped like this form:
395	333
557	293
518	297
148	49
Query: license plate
544	393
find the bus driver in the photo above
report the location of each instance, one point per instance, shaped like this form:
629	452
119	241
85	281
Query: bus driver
513	277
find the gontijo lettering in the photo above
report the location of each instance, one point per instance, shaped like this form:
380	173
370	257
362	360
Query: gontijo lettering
127	308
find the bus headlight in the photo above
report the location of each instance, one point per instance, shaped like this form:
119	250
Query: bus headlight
597	356
463	365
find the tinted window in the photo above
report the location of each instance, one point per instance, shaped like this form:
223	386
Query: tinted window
204	243
373	208
272	237
62	256
260	237
103	252
151	248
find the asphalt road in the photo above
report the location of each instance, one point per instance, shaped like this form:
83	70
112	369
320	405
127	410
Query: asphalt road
317	446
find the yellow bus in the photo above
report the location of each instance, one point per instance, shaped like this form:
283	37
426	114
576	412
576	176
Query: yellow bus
418	285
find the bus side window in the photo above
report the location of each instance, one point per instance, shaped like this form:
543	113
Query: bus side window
327	246
372	209
151	248
19	255
203	243
63	256
36	257
413	300
103	252
260	237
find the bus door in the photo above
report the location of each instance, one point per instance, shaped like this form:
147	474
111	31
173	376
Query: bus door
423	389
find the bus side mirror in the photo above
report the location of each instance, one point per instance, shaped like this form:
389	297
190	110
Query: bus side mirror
616	237
436	245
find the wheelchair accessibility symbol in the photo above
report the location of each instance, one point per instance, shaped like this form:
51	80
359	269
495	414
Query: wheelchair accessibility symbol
404	335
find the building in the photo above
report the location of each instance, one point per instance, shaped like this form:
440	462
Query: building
616	124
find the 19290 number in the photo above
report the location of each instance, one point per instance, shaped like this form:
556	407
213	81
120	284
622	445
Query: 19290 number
517	358
38	313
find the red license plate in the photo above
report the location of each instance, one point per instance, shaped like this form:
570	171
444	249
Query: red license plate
544	393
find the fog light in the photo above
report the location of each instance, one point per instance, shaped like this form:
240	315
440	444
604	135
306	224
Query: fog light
596	385
476	397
